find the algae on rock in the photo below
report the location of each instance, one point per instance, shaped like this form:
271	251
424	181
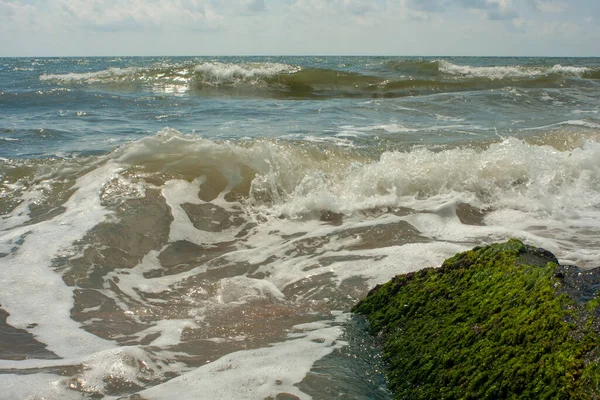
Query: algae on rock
495	322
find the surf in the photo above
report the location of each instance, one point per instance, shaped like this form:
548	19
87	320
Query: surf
281	80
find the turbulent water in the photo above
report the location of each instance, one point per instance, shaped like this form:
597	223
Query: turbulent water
199	227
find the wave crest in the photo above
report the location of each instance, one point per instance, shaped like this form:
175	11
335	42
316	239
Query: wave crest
280	80
227	72
281	178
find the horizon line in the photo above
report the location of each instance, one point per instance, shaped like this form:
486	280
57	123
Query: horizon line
300	55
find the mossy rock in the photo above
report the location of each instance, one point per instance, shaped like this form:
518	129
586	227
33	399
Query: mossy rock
504	321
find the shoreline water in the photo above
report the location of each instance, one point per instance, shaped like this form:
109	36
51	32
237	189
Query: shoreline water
179	218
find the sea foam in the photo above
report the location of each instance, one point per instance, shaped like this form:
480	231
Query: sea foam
224	72
260	373
28	273
517	71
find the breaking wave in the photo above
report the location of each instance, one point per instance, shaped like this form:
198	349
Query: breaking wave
280	80
285	178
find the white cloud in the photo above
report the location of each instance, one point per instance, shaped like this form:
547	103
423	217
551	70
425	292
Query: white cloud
138	12
110	15
337	7
491	9
7	9
501	10
323	14
13	12
549	6
256	5
78	27
520	23
562	29
232	8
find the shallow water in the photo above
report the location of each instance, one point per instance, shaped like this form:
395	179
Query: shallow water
200	227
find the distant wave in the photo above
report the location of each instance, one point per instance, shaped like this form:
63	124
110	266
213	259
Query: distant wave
443	67
228	72
400	78
501	72
111	74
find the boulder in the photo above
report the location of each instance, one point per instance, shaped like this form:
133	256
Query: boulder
500	321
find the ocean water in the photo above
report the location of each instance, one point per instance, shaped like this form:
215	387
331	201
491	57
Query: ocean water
198	228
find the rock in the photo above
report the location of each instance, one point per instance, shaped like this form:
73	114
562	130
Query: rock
496	322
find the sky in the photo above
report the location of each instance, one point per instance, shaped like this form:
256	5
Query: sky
300	27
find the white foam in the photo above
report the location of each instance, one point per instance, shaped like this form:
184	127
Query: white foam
585	112
374	265
580	256
512	174
27	272
125	366
177	193
226	72
337	140
449	118
121	189
574	122
256	374
38	386
240	289
444	225
501	172
496	72
170	331
391	128
134	281
569	70
499	72
122	365
91	77
586	124
354	131
397	260
20	214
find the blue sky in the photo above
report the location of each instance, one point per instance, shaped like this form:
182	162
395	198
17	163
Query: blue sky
270	27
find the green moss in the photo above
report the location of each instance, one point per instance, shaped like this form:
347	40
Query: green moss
488	324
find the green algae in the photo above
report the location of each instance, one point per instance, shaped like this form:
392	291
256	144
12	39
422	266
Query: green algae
490	323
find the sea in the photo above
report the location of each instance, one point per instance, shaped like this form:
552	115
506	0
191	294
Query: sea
200	227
